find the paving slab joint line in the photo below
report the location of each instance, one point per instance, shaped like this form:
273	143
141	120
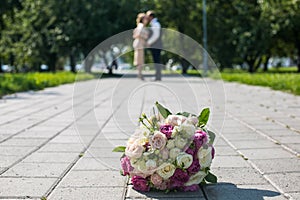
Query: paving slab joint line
255	167
125	191
44	120
204	193
48	193
265	135
275	121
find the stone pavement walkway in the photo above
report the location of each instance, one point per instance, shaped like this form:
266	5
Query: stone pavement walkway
56	146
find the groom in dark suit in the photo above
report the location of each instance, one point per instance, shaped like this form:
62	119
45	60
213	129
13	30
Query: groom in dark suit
155	43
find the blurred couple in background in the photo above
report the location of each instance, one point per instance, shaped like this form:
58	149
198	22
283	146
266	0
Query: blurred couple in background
150	38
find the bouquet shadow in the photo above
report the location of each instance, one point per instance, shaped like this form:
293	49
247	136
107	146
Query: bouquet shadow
217	191
231	191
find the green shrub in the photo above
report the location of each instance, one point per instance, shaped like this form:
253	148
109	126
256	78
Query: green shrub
11	83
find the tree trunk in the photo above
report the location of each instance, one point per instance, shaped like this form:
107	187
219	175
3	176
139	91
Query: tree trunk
185	64
1	71
88	63
251	65
72	63
52	62
298	61
266	63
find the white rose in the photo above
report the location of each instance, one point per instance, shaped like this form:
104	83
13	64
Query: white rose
175	120
174	153
187	130
166	170
205	157
180	142
184	160
150	164
196	178
141	166
170	144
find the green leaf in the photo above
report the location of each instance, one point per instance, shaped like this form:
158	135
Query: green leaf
212	137
186	114
119	149
211	178
203	117
162	110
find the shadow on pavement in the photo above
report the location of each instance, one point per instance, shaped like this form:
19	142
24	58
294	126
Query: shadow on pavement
231	191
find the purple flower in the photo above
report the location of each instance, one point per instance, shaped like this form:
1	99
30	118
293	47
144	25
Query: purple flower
192	151
167	130
213	151
200	138
195	167
179	178
191	188
126	166
140	184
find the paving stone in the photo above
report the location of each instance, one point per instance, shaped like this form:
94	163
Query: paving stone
36	134
89	164
254	144
266	153
24	187
225	191
225	151
133	194
239	176
87	193
15	150
93	179
288	182
104	143
288	139
104	152
71	139
220	142
229	161
295	147
51	157
295	195
278	165
244	136
23	142
6	160
37	170
62	148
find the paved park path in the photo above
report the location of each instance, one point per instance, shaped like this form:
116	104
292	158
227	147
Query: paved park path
56	143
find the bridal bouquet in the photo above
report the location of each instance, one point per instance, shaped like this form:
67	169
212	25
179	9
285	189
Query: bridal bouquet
169	152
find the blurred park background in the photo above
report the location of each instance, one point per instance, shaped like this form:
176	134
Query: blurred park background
255	41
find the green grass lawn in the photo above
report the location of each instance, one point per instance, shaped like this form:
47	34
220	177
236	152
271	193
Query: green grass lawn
284	79
11	83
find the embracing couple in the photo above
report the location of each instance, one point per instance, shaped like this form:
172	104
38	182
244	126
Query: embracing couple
147	38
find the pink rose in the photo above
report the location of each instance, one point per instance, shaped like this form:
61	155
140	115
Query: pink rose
163	186
156	180
134	150
158	140
175	120
126	166
167	130
140	184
